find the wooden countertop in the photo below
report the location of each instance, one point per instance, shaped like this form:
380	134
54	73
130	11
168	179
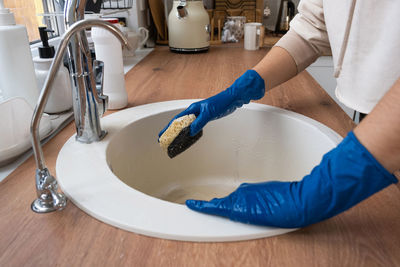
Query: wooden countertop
366	235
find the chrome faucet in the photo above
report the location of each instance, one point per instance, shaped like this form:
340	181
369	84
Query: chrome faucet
89	103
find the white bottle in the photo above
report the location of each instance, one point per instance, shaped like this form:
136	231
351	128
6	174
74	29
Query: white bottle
60	98
17	75
109	50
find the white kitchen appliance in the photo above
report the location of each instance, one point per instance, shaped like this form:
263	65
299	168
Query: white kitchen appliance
188	27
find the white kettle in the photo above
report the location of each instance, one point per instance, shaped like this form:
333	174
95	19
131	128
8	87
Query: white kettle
188	27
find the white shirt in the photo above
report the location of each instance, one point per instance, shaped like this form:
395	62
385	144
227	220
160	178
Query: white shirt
364	38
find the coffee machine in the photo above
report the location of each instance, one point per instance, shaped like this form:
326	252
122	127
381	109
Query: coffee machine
286	13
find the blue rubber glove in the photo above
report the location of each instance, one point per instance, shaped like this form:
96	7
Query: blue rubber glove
346	175
249	86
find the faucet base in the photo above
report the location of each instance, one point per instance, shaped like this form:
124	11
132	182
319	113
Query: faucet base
90	139
48	198
40	206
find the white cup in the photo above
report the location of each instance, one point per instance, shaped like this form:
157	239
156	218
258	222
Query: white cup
136	40
252	35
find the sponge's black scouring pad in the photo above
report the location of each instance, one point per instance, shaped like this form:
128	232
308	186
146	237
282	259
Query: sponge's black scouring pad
182	142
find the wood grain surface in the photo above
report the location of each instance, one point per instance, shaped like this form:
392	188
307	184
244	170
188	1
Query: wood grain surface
366	235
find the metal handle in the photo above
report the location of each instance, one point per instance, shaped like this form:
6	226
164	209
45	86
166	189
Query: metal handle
98	71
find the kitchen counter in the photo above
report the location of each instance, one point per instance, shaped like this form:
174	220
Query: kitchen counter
366	235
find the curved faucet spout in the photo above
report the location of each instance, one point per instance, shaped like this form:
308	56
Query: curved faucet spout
37	114
87	99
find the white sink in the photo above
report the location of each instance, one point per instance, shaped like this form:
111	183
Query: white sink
128	181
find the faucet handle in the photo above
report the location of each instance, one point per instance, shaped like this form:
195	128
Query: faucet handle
98	71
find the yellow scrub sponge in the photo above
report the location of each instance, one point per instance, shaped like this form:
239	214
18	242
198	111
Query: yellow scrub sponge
176	138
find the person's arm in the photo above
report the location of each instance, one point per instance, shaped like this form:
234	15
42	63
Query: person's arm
277	67
361	165
306	40
379	132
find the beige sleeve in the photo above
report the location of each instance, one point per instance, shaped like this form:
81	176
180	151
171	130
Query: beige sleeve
307	38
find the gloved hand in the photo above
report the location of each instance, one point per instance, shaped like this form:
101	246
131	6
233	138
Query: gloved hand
249	86
346	175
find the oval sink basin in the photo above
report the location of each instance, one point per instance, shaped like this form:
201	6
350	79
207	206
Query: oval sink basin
128	181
